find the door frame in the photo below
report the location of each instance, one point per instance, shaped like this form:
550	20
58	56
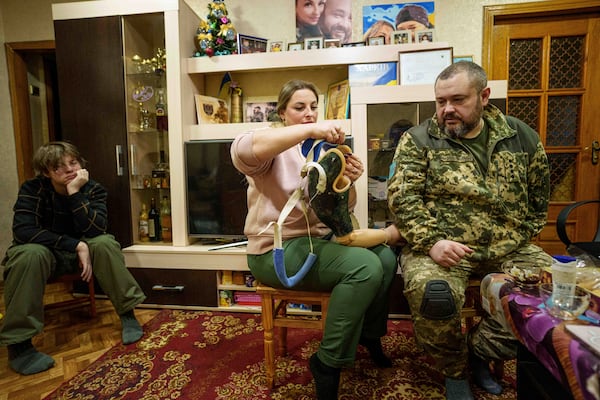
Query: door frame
524	13
496	13
19	98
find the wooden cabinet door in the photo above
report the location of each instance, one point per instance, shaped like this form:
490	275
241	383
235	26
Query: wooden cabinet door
552	65
89	58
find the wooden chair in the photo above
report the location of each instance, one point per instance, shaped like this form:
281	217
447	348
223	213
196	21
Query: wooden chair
274	304
90	298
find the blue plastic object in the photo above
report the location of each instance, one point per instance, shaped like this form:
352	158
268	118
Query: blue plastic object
564	259
279	262
318	147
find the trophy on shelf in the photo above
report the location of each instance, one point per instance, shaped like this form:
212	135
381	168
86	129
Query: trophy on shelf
142	94
157	64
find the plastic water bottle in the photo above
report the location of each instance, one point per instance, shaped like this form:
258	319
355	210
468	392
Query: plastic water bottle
564	281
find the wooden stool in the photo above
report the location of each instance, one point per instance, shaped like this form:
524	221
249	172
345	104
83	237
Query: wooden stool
70	278
274	314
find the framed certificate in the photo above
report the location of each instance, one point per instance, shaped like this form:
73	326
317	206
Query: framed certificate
422	66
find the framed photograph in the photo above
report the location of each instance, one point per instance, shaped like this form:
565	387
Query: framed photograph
276	45
328	43
354	44
402	37
251	44
376	41
295	46
338	100
260	109
422	66
425	36
211	110
313	43
462	58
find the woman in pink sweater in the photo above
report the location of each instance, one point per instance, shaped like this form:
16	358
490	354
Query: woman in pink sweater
359	279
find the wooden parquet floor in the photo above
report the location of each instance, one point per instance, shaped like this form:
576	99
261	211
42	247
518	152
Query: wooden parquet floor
71	337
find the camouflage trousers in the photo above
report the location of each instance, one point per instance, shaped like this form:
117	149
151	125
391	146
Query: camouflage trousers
444	340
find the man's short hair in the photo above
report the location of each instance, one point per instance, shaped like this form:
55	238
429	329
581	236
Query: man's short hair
476	74
50	156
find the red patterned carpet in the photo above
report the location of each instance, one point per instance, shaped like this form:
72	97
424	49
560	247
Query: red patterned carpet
209	355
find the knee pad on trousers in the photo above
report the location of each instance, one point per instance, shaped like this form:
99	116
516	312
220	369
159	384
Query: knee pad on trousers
438	302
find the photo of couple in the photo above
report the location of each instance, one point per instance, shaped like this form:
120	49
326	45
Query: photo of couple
331	19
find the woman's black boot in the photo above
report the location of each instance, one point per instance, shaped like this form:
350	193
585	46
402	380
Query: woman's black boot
327	379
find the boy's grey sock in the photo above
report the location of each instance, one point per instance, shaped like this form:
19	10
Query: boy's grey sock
132	330
26	360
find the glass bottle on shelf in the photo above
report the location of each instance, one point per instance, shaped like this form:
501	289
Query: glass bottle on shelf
160	173
153	222
143	224
161	110
165	220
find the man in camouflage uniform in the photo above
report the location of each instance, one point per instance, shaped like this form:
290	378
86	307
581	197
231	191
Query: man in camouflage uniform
469	191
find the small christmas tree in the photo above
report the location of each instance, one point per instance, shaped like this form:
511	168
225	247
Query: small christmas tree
216	36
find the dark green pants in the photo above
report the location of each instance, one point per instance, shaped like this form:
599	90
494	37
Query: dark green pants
443	339
29	266
359	280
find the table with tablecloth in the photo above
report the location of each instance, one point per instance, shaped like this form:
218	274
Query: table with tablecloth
570	362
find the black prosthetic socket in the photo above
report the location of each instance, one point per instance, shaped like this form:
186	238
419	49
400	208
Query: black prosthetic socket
331	206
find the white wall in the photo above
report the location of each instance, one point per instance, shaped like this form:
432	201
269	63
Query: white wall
458	22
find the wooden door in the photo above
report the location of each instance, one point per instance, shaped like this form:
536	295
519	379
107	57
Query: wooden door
89	59
551	60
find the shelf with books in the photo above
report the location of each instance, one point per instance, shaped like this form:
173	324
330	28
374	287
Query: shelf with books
240	298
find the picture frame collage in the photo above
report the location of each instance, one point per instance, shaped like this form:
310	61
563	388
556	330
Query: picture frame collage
407	36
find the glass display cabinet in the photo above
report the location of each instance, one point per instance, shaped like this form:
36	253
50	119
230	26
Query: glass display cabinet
147	124
122	90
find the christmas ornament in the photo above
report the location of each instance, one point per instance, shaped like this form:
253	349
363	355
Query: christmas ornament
216	35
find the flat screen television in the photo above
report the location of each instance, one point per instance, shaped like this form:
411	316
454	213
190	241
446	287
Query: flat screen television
216	192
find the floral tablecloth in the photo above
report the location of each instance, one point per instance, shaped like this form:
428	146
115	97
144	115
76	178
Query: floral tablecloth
569	361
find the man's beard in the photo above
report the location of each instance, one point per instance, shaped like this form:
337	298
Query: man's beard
459	131
338	32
